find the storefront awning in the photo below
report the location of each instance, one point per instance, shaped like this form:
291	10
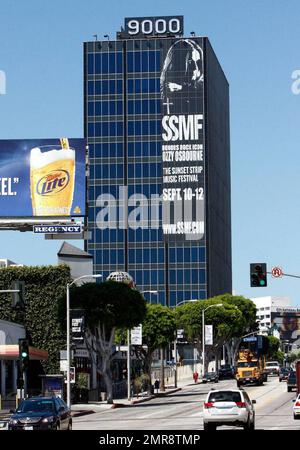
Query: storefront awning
12	352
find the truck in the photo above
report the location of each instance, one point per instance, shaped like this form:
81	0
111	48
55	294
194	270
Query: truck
251	363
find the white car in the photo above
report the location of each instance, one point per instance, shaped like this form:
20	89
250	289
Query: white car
228	407
272	368
296	407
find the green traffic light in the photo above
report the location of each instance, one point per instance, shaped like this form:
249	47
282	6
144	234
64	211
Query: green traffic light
24	354
262	282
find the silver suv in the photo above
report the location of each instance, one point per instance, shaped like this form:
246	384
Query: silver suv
228	407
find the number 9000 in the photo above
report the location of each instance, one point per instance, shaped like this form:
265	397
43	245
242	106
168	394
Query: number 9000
154	26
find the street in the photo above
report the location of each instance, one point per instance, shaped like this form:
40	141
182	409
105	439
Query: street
183	410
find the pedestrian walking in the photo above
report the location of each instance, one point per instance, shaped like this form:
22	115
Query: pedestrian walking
156	385
195	376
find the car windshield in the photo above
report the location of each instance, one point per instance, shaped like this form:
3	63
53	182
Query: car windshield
224	396
36	406
272	364
247	364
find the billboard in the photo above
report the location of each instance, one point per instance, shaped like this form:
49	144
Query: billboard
287	322
183	152
42	178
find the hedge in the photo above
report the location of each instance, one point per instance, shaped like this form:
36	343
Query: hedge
44	285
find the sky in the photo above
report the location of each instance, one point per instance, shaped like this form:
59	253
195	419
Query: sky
257	44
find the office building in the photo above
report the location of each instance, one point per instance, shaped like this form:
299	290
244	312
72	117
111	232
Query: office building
156	111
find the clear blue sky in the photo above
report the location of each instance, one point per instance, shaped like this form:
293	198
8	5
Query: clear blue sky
257	43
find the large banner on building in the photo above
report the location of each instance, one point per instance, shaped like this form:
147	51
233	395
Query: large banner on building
42	178
287	322
183	152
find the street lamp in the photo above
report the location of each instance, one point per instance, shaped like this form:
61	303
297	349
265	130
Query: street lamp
203	335
68	334
184	301
175	342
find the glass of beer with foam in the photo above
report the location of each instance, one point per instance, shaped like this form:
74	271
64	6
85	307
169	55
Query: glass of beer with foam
52	177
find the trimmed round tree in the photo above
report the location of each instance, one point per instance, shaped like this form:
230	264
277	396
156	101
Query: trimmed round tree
107	306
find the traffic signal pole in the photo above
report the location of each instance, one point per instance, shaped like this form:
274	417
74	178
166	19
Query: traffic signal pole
286	275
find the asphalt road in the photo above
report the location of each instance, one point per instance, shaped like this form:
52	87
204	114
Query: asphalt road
183	410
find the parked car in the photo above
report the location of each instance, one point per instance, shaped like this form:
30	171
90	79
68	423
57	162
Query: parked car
283	374
226	371
210	376
272	368
228	407
296	407
4	421
41	413
291	381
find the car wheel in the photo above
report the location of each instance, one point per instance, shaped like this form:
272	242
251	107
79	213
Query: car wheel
289	389
280	380
247	425
209	427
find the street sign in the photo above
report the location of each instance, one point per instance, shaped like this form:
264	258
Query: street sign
136	335
180	334
63	365
208	335
77	324
277	272
250	339
53	229
63	354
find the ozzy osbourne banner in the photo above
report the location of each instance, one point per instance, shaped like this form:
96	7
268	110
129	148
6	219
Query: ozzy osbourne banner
183	152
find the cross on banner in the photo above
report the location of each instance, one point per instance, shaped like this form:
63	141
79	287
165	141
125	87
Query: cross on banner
168	103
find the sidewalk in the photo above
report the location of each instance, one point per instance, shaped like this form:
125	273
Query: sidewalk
94	407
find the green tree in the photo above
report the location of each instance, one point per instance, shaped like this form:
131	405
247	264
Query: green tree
247	323
273	346
108	306
225	321
158	331
236	317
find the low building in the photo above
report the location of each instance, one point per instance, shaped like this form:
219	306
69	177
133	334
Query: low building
10	333
79	261
265	306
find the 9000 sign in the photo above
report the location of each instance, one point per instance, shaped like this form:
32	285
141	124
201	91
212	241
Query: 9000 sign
154	25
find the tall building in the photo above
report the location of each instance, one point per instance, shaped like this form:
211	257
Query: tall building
156	110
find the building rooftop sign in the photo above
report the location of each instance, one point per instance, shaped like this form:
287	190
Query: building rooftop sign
141	27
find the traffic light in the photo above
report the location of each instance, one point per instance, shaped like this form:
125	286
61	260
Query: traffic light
258	275
24	354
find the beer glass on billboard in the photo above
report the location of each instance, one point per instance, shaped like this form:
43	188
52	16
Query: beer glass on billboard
52	177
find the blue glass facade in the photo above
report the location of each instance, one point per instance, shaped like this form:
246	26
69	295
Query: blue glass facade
122	104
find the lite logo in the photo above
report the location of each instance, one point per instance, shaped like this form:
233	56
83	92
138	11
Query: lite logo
53	183
2	83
